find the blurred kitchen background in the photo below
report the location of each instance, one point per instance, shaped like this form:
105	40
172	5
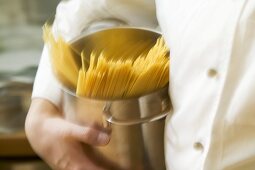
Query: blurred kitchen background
20	49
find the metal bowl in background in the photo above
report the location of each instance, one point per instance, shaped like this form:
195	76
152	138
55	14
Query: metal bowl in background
14	104
15	95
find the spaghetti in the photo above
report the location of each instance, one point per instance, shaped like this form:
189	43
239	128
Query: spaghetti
110	77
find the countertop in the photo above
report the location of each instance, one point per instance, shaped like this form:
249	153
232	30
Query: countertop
15	145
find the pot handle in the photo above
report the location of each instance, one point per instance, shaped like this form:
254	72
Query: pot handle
112	120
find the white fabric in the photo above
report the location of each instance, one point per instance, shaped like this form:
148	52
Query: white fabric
45	85
217	110
212	84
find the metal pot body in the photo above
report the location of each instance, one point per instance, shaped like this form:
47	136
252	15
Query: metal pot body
136	124
137	128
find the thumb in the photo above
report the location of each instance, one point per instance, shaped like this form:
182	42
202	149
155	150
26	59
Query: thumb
88	134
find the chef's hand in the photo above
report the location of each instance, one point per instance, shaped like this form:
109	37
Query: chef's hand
58	141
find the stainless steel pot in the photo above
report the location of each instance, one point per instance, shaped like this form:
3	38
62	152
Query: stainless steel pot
137	124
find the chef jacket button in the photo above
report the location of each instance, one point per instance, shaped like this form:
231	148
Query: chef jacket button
212	72
198	146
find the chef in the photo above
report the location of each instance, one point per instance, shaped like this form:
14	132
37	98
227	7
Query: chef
212	85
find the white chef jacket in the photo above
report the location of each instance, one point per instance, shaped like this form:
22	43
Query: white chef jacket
212	73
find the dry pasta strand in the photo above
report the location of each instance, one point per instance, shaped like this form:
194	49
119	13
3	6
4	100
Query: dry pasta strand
62	58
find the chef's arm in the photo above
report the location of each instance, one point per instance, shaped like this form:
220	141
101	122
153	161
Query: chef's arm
53	138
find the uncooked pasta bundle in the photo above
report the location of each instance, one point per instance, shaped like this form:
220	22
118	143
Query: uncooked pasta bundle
63	59
110	77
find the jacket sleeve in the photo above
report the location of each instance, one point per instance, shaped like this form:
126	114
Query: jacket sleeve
74	17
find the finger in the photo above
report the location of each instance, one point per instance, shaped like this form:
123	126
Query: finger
87	134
